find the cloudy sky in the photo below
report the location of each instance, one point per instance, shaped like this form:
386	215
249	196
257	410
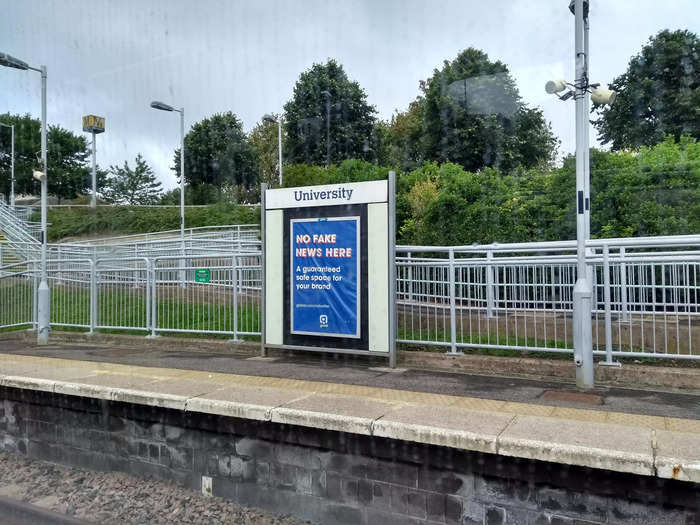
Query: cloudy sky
111	58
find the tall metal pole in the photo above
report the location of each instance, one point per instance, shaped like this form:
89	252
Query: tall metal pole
583	344
586	103
93	201
12	171
279	145
328	130
44	304
182	195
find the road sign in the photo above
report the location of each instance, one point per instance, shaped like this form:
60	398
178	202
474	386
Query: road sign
202	275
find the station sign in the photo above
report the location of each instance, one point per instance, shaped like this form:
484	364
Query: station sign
327	264
93	124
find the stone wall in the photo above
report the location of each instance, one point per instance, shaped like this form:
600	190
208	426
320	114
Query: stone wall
330	477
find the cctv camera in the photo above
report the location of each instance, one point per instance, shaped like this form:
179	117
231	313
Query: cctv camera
39	175
555	86
603	96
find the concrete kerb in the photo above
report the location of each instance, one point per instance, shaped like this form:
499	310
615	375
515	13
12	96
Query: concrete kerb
597	445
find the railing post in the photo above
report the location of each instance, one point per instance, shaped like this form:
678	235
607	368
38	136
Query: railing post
623	285
453	314
59	276
235	298
149	275
35	295
154	285
608	315
410	277
93	295
489	285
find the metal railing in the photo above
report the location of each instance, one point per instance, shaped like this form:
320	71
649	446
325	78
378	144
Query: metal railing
520	296
513	296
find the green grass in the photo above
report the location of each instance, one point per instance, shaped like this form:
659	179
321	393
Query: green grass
71	306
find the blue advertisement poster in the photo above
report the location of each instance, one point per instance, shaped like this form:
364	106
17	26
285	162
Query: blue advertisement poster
325	276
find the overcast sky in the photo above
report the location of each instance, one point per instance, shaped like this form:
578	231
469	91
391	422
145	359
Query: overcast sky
111	58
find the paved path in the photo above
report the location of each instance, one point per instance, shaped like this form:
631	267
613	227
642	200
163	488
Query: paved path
509	417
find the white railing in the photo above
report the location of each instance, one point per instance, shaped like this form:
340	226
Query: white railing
519	296
514	297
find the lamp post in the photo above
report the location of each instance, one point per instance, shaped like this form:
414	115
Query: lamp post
43	302
583	289
278	121
12	165
94	124
327	96
165	107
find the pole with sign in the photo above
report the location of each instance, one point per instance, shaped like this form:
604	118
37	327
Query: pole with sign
327	258
94	124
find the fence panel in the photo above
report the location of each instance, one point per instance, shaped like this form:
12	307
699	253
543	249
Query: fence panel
122	295
17	290
70	285
213	295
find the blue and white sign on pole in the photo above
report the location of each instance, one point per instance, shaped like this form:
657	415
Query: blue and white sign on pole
325	276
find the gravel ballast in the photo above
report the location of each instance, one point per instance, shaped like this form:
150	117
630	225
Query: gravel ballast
119	498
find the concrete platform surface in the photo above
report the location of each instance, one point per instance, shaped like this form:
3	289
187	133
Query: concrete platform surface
599	436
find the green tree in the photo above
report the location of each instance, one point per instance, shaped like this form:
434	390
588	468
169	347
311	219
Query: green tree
217	154
472	115
264	141
67	158
659	94
400	138
132	186
351	123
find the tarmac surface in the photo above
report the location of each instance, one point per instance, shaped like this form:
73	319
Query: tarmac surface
351	370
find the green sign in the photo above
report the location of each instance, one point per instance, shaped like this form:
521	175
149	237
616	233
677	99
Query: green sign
202	275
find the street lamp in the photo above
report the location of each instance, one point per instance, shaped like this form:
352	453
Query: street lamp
43	299
327	96
579	90
278	121
165	107
12	166
94	125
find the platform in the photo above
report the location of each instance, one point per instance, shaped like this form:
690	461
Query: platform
647	433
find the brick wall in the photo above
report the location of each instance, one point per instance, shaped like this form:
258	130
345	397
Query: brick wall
330	477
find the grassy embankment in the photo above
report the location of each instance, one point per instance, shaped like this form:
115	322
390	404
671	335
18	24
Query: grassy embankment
126	220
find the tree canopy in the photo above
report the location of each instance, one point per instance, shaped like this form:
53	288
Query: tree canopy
351	117
264	141
67	158
125	185
658	95
470	113
217	154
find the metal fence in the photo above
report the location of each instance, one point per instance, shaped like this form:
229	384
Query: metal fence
520	296
514	296
207	294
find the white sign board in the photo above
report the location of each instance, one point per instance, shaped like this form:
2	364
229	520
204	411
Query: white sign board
327	195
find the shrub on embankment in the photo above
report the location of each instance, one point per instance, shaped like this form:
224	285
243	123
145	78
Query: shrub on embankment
125	220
